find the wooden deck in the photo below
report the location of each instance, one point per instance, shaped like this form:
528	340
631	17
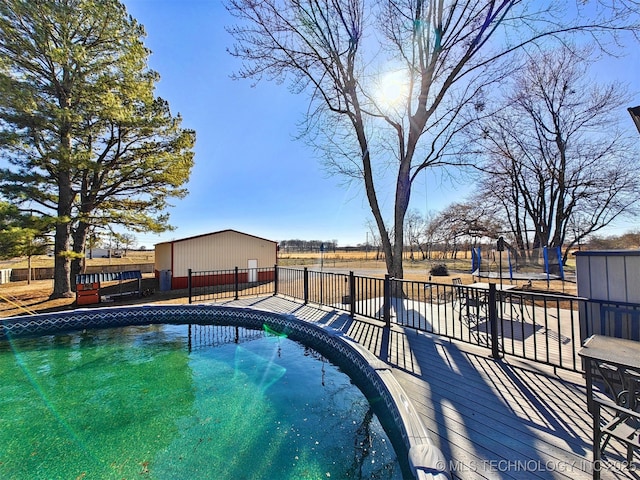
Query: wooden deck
493	419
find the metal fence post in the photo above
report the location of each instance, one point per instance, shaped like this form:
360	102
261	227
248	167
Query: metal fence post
275	279
493	321
352	294
236	282
306	286
386	308
189	284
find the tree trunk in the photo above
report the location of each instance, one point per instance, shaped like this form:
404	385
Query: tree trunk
79	239
62	264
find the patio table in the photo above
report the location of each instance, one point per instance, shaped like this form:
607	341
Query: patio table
617	362
485	285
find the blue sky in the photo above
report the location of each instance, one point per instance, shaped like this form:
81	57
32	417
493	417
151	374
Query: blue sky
250	173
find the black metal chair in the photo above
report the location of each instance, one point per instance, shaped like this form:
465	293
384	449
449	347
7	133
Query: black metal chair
472	302
624	425
456	290
472	305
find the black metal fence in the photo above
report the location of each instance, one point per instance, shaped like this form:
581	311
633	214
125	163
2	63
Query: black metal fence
221	284
541	327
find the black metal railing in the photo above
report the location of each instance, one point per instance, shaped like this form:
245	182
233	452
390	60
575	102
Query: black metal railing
368	297
232	283
325	288
544	328
291	283
613	318
541	327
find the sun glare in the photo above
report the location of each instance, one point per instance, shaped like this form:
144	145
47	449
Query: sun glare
392	90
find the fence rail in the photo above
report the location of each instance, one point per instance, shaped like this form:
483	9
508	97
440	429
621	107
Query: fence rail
220	284
540	327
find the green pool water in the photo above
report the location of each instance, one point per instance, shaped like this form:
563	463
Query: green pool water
180	402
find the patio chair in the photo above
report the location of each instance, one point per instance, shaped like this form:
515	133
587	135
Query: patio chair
456	291
472	301
624	427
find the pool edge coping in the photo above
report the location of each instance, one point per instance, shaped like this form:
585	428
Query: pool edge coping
425	460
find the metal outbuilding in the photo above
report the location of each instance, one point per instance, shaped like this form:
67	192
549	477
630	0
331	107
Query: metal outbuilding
217	251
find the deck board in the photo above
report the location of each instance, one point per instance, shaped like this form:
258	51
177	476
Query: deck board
493	419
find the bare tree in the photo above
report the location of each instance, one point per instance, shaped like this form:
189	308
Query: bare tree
373	239
465	224
431	234
554	159
128	241
415	228
389	79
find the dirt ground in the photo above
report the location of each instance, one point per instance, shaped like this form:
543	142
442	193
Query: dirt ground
20	298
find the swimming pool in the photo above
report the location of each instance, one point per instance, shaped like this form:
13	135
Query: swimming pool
178	401
416	453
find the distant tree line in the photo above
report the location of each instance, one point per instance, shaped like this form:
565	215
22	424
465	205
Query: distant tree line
452	234
299	246
626	241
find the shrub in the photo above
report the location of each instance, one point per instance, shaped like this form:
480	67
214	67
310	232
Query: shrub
439	271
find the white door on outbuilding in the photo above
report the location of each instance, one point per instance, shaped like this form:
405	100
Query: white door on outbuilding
252	275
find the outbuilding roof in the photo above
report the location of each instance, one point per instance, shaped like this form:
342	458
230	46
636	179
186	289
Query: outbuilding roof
215	233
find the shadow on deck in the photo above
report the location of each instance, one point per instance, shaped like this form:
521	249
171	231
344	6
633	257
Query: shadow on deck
493	419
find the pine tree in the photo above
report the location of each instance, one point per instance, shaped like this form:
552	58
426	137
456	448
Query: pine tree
85	139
